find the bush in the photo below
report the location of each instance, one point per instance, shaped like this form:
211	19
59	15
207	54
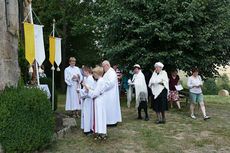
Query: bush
223	82
26	120
210	87
48	81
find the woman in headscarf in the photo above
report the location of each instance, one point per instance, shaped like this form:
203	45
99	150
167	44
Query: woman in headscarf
160	88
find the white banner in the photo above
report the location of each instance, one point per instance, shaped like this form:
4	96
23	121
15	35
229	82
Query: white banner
39	44
58	51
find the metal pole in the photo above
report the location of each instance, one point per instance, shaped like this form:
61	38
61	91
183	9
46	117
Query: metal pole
36	64
53	70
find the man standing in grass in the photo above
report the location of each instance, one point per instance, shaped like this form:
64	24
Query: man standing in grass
112	98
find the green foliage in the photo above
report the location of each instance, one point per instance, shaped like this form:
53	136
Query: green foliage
74	23
23	64
181	34
48	81
26	120
223	82
210	87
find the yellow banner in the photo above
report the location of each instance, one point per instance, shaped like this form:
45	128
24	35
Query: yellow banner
29	42
52	49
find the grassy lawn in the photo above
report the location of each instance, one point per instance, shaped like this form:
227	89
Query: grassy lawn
180	135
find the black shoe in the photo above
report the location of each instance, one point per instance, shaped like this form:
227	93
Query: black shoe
88	133
146	119
158	122
139	118
112	125
163	122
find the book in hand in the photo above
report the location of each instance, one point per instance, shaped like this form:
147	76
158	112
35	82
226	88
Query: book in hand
179	87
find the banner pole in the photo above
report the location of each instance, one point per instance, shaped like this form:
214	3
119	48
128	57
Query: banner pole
53	71
36	63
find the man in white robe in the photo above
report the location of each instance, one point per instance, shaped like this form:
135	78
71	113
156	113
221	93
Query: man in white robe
138	82
112	98
87	102
73	79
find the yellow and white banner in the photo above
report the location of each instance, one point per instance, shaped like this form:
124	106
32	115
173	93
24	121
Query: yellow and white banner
55	51
34	43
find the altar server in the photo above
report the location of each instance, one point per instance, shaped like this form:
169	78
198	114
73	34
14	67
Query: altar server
73	79
87	102
99	111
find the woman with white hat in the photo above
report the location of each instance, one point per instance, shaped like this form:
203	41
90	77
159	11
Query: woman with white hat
141	92
160	89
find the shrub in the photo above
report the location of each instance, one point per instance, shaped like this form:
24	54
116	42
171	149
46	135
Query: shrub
223	82
26	120
210	87
48	81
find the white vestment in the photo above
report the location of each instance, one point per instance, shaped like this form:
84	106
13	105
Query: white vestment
72	97
140	86
87	104
155	80
112	97
99	111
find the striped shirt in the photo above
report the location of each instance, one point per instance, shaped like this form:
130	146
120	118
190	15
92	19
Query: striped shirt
118	72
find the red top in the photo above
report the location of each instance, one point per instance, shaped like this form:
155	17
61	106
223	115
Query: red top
118	75
173	82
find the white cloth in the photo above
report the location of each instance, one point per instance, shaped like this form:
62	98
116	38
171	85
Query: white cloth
140	86
72	100
99	106
39	44
155	80
45	88
87	105
192	81
112	98
58	51
42	75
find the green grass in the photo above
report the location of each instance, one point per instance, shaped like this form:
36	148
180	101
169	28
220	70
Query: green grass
180	135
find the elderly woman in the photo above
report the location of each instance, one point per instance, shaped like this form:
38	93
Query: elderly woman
141	92
194	84
160	89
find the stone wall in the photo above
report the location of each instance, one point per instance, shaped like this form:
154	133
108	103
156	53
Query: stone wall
9	31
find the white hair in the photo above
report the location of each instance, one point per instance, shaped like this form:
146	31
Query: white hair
159	64
106	62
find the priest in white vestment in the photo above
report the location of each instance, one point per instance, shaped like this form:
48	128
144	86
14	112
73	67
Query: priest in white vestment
112	98
99	110
87	102
73	80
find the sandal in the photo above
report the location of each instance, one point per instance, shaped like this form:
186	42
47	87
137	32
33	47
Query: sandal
98	138
104	137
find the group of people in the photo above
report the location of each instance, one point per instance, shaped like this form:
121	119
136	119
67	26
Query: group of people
96	92
163	90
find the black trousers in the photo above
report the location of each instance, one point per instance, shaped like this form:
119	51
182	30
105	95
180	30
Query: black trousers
143	105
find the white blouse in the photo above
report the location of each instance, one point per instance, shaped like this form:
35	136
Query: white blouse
192	81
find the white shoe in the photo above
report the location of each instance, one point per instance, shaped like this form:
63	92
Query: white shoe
206	117
193	116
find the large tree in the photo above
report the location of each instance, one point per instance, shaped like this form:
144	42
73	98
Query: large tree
75	25
180	33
